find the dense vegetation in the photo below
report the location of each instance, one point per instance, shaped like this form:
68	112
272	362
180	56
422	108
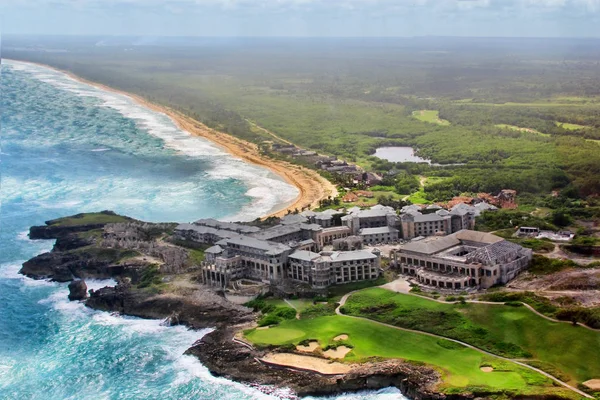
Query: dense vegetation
520	114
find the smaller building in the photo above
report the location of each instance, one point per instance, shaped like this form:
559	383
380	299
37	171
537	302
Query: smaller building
528	231
383	234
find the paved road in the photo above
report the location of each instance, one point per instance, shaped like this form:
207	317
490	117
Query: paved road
345	298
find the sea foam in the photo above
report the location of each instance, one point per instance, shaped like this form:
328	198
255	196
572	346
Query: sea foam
266	190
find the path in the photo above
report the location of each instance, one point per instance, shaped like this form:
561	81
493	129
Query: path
347	295
422	180
269	133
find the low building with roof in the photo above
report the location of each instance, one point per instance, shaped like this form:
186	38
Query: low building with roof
461	261
201	234
227	226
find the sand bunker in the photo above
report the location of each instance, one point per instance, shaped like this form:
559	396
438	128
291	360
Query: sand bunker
340	352
312	346
486	369
306	362
341	337
262	328
593	384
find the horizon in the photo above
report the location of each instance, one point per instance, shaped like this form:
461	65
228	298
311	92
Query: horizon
304	18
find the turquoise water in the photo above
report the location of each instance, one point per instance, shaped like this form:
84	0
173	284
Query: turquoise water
66	148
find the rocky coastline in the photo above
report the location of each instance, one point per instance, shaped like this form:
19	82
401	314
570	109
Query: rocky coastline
81	252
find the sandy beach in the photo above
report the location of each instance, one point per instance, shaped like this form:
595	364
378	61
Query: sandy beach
312	186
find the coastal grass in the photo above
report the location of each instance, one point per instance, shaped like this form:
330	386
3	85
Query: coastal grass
501	329
431	116
458	365
104	217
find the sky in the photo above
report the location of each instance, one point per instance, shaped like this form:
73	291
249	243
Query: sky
312	18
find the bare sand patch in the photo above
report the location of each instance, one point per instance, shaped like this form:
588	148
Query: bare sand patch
400	285
593	384
487	369
306	362
339	352
312	346
262	328
341	337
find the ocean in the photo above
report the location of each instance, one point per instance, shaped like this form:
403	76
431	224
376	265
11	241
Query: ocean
68	147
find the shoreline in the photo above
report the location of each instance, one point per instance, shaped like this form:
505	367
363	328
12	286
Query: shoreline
312	187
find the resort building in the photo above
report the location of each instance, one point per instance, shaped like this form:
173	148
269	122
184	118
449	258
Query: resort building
441	222
245	256
321	270
267	254
462	261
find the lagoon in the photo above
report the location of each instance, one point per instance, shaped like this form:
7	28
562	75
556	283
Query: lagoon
399	154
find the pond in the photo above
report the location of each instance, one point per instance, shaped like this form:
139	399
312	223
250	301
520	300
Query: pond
399	154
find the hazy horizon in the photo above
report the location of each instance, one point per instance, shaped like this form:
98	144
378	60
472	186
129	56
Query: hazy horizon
304	18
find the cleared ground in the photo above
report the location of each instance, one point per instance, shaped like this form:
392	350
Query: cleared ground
431	116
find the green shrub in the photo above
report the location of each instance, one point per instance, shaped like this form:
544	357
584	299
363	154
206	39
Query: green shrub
513	304
284	313
269	319
150	276
587	316
541	265
318	310
450	298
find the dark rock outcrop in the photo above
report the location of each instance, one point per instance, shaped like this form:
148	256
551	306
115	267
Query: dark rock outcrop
77	290
57	231
205	309
61	266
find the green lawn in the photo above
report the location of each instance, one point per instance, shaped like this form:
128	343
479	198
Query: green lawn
459	365
498	328
431	116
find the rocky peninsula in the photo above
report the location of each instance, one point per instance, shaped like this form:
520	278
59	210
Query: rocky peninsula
157	278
